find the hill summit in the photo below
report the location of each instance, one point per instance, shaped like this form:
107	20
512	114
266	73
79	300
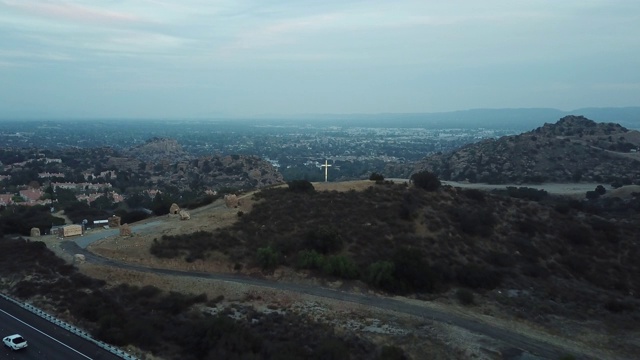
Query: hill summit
158	148
573	149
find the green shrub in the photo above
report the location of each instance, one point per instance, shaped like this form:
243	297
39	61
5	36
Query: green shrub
268	258
309	259
381	275
376	177
340	266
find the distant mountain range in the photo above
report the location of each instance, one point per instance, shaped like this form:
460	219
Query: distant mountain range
517	119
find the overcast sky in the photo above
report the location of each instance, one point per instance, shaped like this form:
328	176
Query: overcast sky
201	58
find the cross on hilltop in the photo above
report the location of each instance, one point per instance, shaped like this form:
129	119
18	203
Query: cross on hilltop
326	170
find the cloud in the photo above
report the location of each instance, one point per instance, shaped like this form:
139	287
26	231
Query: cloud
68	11
285	31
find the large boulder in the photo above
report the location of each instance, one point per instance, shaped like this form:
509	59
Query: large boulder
231	200
79	259
35	232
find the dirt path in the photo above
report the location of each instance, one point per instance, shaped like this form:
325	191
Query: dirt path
532	347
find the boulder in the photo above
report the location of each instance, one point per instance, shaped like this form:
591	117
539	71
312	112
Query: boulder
78	259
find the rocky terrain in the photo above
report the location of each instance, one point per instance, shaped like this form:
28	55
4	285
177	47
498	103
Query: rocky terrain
575	149
158	149
163	161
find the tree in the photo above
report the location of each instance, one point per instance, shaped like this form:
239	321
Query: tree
301	186
426	180
161	204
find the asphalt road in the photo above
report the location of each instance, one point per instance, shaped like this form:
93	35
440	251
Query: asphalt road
520	345
46	341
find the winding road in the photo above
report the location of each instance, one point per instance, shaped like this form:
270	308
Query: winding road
520	346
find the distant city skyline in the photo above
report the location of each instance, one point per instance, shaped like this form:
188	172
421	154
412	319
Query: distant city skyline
198	58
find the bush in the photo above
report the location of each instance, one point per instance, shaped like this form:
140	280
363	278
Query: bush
309	259
426	180
268	258
592	195
302	186
380	274
465	297
340	266
376	177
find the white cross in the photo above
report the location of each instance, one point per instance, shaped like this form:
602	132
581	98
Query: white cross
326	170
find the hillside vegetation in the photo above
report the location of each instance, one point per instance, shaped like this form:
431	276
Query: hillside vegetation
551	256
170	325
573	149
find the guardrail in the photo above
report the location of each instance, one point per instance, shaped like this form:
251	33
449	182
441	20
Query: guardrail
83	334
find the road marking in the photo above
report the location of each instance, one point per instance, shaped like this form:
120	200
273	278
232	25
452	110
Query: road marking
47	335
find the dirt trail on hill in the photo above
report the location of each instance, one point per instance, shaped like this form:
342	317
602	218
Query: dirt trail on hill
522	346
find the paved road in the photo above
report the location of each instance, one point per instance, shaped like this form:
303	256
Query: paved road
523	347
46	341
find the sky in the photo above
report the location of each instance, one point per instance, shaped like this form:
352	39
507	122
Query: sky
238	58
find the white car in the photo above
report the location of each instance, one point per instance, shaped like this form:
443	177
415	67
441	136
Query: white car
15	342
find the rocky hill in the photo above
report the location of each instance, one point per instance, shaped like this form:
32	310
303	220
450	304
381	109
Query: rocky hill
163	161
572	150
157	149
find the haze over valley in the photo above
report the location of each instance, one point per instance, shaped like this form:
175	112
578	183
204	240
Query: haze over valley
320	180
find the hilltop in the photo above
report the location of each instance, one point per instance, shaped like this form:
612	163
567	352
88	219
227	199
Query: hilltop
571	150
545	261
